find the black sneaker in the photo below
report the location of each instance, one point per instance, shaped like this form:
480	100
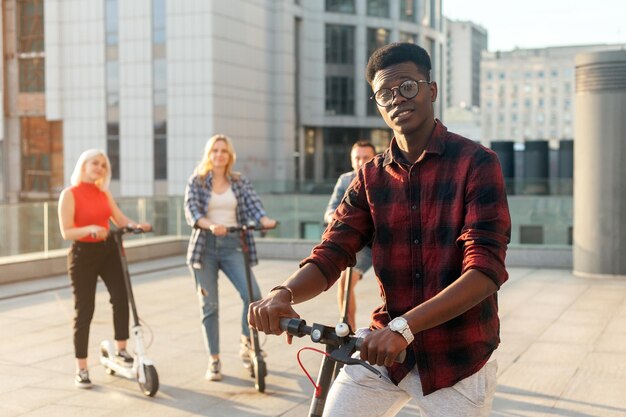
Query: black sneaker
123	357
82	379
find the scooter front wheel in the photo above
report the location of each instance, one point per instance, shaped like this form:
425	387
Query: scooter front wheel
151	386
260	371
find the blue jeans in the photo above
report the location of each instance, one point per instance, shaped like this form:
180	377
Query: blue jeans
223	253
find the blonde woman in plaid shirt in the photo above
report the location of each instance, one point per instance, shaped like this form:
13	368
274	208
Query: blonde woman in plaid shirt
216	198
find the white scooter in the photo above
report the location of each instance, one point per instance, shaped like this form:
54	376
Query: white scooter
142	369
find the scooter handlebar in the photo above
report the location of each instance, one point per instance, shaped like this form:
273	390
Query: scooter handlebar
128	230
298	327
251	226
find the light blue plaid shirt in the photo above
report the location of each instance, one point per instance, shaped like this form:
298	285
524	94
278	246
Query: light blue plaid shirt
197	196
343	182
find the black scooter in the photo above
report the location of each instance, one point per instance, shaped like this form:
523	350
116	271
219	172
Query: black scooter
258	371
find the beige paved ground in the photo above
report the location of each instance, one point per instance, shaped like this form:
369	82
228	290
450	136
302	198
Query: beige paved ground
563	350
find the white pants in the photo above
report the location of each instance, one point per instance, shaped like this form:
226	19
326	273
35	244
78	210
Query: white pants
357	391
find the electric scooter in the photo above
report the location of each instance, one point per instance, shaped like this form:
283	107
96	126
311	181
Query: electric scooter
258	371
340	344
142	369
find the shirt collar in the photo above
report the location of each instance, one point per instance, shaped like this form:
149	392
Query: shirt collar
436	145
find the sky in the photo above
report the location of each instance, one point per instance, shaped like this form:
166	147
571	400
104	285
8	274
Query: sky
543	23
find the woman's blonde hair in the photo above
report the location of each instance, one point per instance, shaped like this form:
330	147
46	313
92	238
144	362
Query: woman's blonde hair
206	165
77	174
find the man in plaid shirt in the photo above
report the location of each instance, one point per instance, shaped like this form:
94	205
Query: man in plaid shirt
434	206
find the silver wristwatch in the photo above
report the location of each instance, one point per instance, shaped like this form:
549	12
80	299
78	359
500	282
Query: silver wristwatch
400	325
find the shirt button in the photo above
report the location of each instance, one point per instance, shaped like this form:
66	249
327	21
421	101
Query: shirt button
414	207
417	275
416	241
413	173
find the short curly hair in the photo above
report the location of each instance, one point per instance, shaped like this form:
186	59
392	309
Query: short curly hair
397	53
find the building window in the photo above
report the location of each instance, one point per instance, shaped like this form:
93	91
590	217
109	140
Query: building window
339	44
158	22
309	154
380	138
112	77
31	33
339	95
42	154
111	22
159	89
375	39
113	152
112	69
531	234
427	18
32	75
31	62
408	37
160	151
340	6
378	8
407	10
372	108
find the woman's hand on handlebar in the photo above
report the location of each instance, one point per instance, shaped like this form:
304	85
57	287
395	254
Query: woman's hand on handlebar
267	223
382	346
146	227
218	229
265	314
98	232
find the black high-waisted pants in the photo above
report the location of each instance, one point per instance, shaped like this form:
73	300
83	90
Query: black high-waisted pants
85	262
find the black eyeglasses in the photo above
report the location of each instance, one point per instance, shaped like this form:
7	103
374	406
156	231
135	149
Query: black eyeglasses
408	89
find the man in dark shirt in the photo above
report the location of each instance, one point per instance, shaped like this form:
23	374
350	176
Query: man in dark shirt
434	206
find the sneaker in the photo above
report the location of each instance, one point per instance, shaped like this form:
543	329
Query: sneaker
125	358
82	379
214	373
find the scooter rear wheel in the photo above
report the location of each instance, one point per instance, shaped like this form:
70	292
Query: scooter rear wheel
260	371
151	386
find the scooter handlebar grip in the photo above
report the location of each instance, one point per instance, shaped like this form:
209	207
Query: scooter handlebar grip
293	326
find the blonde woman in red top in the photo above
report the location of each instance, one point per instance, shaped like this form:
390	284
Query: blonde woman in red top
85	209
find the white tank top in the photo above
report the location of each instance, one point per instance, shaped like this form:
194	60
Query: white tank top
222	208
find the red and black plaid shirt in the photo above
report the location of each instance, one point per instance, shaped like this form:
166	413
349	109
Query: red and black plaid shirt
430	222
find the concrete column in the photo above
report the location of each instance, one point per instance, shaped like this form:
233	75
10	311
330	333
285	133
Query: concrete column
599	168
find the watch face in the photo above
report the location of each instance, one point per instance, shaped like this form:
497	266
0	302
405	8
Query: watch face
397	324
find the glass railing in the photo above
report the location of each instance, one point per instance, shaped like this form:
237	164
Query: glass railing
34	227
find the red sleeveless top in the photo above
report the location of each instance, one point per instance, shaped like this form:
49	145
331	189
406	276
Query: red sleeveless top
91	206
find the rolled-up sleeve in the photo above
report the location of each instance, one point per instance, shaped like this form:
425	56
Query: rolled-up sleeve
253	205
487	229
193	206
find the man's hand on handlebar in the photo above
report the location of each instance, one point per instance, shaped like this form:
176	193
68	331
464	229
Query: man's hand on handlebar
265	314
382	346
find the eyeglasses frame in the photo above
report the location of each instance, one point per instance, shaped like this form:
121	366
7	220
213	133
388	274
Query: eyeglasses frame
393	94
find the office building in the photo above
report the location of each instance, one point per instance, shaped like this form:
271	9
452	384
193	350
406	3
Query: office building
465	43
528	94
149	81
